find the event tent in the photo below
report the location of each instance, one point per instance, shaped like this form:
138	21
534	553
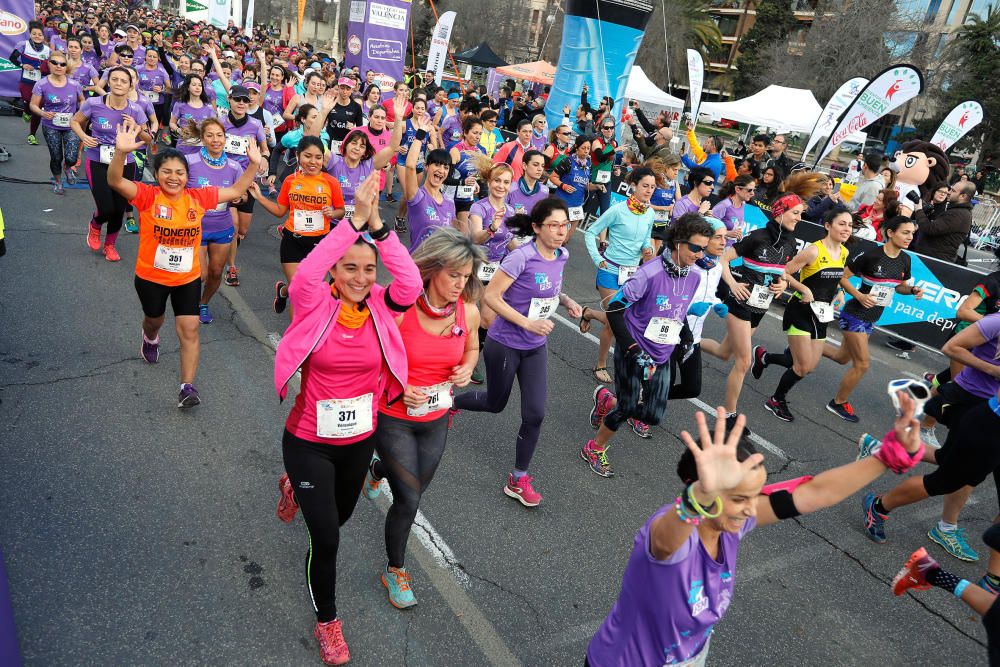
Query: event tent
481	56
640	88
784	109
536	72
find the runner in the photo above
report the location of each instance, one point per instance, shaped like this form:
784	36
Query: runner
167	266
679	580
441	351
702	183
103	115
884	271
55	99
191	105
79	69
524	294
344	116
429	141
463	181
818	296
350	352
733	198
604	148
31	56
571	176
668	191
528	189
646	315
154	85
427	207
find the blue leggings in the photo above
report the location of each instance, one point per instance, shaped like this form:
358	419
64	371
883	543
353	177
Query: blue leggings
530	368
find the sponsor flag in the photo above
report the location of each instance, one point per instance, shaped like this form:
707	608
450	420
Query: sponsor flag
14	17
386	26
827	120
219	12
957	124
248	25
438	53
696	78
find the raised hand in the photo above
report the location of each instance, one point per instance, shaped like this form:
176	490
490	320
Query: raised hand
718	467
907	428
126	138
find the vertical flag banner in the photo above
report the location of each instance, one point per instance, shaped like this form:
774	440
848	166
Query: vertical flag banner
196	11
438	54
219	12
355	33
14	19
599	44
696	79
302	12
893	88
384	51
827	120
248	26
957	124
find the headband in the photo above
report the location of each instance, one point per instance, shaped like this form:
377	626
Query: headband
785	202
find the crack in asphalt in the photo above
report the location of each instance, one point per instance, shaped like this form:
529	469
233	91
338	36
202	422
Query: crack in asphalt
406	643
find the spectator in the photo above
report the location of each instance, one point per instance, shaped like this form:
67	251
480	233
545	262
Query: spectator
854	169
706	155
777	154
656	146
871	183
941	237
757	157
957	174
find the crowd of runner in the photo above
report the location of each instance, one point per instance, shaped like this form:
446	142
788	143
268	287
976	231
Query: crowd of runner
180	130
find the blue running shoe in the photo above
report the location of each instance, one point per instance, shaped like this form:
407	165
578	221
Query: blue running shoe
204	314
866	445
372	486
873	522
985	584
954	543
397	581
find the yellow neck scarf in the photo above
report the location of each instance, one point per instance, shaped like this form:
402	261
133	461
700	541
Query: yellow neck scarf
351	315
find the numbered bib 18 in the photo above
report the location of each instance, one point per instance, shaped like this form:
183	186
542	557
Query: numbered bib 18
307	221
344	417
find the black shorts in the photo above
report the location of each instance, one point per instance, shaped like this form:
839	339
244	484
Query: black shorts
967	456
660	231
247	206
294	247
951	403
739	309
463	206
799	319
184	299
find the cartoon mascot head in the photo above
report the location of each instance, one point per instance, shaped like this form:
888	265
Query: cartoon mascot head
922	164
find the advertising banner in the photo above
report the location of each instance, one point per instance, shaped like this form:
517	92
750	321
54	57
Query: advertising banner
957	124
827	120
696	78
219	12
384	42
195	10
355	33
248	26
14	17
437	56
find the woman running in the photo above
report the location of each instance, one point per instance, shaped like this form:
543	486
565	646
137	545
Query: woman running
370	100
191	105
104	115
602	157
646	315
524	294
315	95
463	183
529	189
734	197
154	85
884	271
571	176
350	351
666	194
79	69
679	580
31	57
429	142
167	266
379	136
768	189
55	99
702	183
442	348
427	207
812	307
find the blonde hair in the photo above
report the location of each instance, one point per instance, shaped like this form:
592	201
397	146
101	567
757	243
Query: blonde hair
194	131
489	169
449	249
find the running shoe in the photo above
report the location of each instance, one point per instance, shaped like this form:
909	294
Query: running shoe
332	646
400	224
641	429
872	521
477	376
931	379
233	277
71	177
604	401
150	350
731	424
287	506
94	238
397	581
779	409
866	445
26	117
914	573
57	187
522	491
902	345
985	584
188	396
759	364
111	254
32	141
131	226
843	410
373	485
390	198
929	437
597	459
954	543
279	301
204	314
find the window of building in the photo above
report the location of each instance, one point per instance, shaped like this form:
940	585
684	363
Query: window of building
953	11
941	43
979	8
900	44
727	24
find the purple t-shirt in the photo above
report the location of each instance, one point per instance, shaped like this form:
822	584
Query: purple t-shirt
103	123
92	58
682	206
496	247
534	278
273	101
61	100
251	129
146	106
202	175
653	292
425	215
84	74
106	49
974	380
184	113
521	200
350	178
667	609
730	216
149	78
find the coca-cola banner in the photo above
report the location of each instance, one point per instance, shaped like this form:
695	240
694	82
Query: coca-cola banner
957	124
894	87
827	120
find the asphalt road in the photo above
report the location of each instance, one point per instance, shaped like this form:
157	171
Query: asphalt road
135	533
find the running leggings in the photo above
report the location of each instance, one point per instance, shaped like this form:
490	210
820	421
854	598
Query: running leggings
530	368
410	453
26	89
64	149
645	400
685	374
326	480
110	204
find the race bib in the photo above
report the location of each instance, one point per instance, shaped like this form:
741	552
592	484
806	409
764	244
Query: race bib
882	294
625	272
335	147
236	145
487	271
348	211
175	259
661	215
61	119
107	152
31	75
602	177
152	96
542	308
575	213
465	192
344	417
307	221
760	297
222	206
439	398
822	310
663	331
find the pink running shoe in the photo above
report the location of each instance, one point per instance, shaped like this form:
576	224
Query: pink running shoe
287	507
604	402
332	647
914	573
94	238
597	459
641	429
522	491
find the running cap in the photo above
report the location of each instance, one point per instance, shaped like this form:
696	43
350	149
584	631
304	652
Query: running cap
239	91
252	85
345	81
715	222
131	27
119	33
454	95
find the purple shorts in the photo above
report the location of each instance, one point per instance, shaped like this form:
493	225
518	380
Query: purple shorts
848	322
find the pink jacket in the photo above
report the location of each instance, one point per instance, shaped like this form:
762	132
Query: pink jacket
315	308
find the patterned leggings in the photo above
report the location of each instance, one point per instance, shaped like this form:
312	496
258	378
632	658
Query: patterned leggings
64	148
645	400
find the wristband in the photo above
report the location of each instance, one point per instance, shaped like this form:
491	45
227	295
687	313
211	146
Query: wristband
420	135
701	510
962	585
684	515
894	456
381	235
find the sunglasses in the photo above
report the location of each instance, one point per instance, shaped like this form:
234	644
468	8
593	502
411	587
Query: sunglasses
241	99
695	248
126	55
608	127
708	182
59	63
750	190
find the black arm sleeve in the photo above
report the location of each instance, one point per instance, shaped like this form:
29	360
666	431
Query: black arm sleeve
604	155
15	57
616	319
783	505
167	66
641	117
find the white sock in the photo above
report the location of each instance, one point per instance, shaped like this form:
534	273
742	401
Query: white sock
945	527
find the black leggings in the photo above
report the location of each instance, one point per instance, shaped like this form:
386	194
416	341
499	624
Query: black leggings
326	480
685	375
64	148
645	400
530	368
110	204
967	457
410	453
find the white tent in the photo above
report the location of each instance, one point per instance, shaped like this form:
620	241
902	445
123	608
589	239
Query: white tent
777	107
642	89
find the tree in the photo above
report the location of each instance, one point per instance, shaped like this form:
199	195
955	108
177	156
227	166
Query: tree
772	26
663	52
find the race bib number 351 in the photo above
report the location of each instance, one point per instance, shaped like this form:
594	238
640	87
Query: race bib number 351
175	259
